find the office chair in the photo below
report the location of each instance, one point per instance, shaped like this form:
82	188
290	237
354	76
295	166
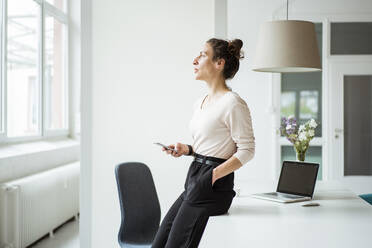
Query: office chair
139	205
367	198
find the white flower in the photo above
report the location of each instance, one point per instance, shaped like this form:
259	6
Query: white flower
301	128
312	123
288	127
302	136
311	133
291	117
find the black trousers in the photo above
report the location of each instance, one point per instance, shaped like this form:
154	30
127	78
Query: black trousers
184	224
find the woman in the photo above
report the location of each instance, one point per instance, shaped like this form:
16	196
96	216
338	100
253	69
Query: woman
223	141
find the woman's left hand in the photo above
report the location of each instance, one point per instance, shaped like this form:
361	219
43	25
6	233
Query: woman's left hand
214	176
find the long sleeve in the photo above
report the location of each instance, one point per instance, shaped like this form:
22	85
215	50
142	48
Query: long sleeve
239	121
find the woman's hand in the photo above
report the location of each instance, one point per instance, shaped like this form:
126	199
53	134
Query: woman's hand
181	149
214	176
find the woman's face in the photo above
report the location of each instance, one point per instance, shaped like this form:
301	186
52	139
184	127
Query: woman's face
204	67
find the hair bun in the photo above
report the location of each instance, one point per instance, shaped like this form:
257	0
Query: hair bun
230	52
234	47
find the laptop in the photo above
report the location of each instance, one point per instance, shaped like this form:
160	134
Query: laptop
296	183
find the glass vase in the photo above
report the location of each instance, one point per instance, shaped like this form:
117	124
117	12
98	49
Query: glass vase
300	154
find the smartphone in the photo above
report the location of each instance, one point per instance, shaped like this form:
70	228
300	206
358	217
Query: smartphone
166	147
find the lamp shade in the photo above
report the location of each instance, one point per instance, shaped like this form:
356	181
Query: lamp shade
287	46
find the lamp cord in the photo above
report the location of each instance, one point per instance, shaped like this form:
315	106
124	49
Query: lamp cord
287	10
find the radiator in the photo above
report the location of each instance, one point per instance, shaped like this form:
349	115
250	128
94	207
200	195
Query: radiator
33	206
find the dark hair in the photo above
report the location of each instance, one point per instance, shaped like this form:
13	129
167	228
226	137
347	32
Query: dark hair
230	52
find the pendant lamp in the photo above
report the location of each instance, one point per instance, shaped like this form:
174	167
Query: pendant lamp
287	46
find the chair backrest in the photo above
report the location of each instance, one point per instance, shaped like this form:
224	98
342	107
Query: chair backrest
139	203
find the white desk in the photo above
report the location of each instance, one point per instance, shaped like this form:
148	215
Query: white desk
341	220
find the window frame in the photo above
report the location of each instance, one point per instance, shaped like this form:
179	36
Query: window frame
3	31
56	13
45	8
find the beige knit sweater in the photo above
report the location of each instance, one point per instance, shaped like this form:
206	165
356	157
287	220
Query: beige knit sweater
223	128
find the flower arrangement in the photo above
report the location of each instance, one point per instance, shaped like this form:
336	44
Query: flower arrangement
299	136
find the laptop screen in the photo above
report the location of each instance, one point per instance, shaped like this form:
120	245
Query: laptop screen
298	178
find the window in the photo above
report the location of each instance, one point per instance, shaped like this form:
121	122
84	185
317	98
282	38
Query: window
351	38
54	73
301	97
34	75
288	103
22	75
60	4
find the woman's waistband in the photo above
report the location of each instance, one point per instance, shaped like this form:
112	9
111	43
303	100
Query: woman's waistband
208	159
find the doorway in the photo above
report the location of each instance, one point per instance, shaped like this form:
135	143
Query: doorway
350	133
